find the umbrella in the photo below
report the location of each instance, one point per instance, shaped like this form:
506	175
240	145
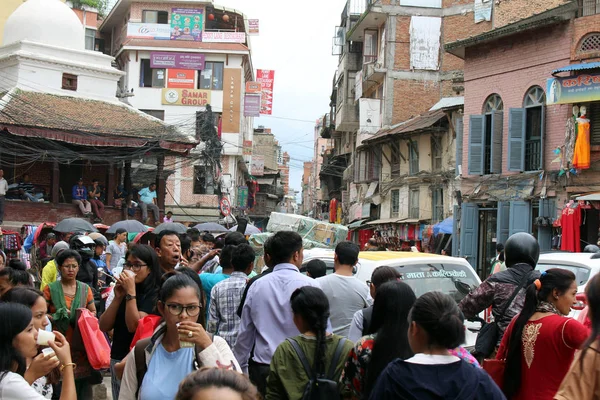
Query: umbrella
101	227
130	225
74	225
444	227
138	236
40	229
250	229
210	227
170	226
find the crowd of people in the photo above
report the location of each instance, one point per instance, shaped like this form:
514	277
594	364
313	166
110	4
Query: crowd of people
190	318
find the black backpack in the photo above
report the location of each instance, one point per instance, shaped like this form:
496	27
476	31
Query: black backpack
320	387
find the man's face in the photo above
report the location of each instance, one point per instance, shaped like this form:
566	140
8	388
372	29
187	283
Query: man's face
123	236
80	183
152	187
1	174
169	251
52	242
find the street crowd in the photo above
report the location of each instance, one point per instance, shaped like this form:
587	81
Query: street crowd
190	318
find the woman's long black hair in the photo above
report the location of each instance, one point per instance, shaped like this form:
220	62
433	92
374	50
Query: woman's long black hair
15	318
27	296
555	278
147	255
17	274
592	292
390	322
312	305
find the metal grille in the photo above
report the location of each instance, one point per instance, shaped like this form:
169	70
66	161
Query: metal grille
589	7
590	43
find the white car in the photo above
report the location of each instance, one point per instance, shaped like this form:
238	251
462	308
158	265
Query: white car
581	264
421	271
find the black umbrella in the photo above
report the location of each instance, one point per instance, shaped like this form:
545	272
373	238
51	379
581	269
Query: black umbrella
170	226
74	225
130	225
210	227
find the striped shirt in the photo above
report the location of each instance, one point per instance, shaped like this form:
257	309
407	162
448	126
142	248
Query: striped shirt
225	298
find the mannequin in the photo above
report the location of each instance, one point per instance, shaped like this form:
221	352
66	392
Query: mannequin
570	136
581	158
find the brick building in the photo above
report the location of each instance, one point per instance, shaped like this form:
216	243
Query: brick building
516	172
284	172
393	74
307	187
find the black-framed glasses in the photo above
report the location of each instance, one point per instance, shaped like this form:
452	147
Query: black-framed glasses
369	283
191	310
135	267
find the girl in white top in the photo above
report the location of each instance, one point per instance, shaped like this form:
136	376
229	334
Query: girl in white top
18	346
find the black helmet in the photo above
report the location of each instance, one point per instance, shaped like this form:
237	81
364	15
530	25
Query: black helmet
591	248
84	245
521	248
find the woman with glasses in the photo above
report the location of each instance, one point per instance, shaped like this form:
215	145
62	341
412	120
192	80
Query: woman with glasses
179	346
135	294
64	297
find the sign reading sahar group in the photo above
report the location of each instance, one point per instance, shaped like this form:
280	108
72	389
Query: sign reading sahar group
186	97
573	89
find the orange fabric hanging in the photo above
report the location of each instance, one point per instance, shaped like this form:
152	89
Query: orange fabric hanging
581	158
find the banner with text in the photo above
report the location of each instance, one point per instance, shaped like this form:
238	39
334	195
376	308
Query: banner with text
186	97
186	24
224	37
258	165
181	78
247	150
177	60
266	77
139	30
232	97
242	197
574	89
253	27
253	88
252	105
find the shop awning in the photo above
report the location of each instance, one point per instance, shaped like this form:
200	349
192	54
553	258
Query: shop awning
356	224
577	67
265	181
589	197
384	221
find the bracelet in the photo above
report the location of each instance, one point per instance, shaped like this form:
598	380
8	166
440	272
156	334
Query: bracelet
71	364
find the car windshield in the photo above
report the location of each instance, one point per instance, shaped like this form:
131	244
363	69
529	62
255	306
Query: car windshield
454	279
582	274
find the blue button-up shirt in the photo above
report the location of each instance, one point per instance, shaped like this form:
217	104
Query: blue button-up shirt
267	318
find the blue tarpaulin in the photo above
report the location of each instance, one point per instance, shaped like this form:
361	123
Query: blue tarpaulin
444	227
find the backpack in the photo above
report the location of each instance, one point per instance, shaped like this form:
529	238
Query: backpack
141	367
320	387
367	316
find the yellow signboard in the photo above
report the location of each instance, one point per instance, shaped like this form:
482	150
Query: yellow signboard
186	97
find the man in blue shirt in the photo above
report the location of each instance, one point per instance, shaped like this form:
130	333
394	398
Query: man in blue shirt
79	196
148	200
267	318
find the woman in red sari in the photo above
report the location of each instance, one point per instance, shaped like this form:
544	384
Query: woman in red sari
540	342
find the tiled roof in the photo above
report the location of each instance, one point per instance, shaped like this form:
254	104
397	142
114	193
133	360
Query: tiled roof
73	115
183	44
415	124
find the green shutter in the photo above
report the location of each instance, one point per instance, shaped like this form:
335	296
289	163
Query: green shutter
469	233
459	144
516	139
476	144
503	222
520	217
496	150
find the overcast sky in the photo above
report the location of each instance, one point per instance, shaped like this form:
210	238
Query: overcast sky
295	40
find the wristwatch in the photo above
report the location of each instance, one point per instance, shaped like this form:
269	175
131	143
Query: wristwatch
130	297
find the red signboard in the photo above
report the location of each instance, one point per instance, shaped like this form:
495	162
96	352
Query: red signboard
181	78
266	78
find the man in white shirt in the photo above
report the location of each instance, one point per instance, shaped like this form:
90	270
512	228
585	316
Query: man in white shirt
3	189
346	294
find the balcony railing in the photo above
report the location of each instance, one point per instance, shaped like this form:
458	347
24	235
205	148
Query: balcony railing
589	7
533	155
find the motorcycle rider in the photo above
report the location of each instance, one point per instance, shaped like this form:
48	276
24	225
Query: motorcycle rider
521	252
88	271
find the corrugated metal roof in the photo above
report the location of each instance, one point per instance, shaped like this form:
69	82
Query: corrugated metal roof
448	102
589	197
577	67
418	123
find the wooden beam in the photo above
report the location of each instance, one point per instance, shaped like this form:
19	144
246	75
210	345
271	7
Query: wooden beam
110	187
161	181
55	182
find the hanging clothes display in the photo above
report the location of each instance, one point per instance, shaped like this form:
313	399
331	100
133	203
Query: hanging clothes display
571	222
581	158
570	136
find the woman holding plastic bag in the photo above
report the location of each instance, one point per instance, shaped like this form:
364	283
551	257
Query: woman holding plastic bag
64	297
180	345
136	293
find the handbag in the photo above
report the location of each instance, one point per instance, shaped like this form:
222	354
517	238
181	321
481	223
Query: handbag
94	341
145	329
487	339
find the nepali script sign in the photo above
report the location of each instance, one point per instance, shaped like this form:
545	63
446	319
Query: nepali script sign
193	61
573	89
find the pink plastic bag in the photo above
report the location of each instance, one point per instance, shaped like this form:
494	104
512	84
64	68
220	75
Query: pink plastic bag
94	341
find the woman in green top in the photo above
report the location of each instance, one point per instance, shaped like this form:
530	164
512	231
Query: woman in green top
287	377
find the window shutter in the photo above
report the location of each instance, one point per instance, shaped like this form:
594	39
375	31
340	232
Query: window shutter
434	202
469	233
520	217
503	222
496	153
455	237
542	133
516	139
594	111
459	144
476	145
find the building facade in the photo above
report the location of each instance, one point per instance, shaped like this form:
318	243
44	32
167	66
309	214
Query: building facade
174	71
518	169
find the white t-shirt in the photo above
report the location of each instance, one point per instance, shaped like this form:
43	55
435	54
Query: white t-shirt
15	387
346	295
